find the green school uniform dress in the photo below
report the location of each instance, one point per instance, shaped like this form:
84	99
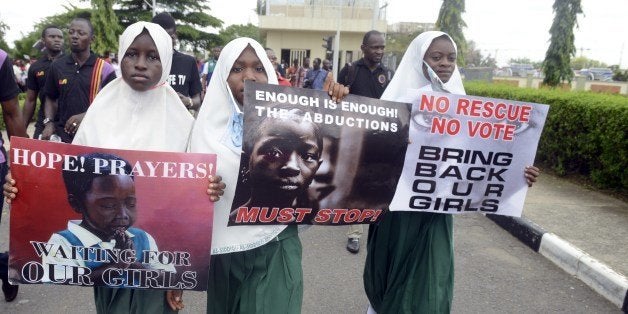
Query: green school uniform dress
410	263
120	300
264	280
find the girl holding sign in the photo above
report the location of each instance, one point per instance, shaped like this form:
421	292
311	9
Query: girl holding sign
138	111
254	269
409	265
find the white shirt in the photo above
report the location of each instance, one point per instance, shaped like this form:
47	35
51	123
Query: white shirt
58	243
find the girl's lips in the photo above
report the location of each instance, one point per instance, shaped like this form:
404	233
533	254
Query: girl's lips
139	77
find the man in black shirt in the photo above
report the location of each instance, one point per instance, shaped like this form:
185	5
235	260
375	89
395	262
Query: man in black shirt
15	127
366	77
73	82
52	39
184	77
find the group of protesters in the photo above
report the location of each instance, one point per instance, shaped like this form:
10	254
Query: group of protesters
253	269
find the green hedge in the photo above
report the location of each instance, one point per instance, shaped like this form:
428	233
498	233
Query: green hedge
585	132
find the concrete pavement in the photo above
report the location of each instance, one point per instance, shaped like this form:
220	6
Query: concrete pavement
584	232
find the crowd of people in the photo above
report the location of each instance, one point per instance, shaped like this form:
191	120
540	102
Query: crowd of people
254	269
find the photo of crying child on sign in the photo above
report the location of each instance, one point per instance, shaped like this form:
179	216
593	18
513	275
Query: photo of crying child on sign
468	154
98	217
304	157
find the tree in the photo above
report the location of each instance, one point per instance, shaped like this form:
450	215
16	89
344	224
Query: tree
261	7
3	29
580	63
106	27
474	57
189	14
234	31
556	66
450	21
397	43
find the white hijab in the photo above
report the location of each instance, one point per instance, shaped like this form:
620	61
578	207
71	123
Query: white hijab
123	118
211	134
410	75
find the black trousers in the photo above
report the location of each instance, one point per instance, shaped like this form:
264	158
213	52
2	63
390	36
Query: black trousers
4	257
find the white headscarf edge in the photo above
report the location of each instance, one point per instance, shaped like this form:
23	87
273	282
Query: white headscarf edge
409	74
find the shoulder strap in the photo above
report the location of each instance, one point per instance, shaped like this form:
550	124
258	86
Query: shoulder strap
352	73
140	241
75	241
101	71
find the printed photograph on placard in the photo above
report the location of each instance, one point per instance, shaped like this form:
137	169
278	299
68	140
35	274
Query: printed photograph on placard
309	160
100	217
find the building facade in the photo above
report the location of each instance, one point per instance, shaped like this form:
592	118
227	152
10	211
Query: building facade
295	29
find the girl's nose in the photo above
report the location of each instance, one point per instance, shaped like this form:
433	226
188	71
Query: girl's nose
123	213
141	63
293	162
249	75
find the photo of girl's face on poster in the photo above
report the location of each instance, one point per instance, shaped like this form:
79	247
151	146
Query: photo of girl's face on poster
302	151
91	217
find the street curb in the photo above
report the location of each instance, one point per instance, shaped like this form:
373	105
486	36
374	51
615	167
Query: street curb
598	276
523	229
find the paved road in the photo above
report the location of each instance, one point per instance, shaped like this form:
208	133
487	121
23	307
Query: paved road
495	273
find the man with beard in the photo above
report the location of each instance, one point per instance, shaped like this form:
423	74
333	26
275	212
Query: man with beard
367	77
52	39
73	82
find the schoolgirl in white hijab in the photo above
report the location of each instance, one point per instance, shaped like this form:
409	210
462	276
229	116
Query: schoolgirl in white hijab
409	264
254	269
123	118
410	73
219	130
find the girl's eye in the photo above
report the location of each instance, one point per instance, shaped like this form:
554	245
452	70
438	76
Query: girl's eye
130	54
423	120
310	157
153	57
130	203
260	69
109	205
236	69
274	153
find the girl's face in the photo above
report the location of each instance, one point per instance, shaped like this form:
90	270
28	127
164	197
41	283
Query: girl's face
441	57
247	67
141	66
285	157
110	204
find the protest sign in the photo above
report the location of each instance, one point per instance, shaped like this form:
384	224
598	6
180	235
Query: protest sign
89	216
309	160
468	154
